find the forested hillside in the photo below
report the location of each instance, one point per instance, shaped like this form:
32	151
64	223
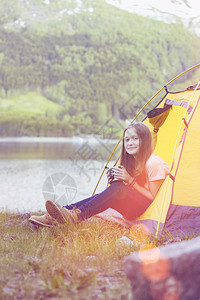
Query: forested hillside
86	56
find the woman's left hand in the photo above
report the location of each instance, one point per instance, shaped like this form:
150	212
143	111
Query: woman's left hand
120	173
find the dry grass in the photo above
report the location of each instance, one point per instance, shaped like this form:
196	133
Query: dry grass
62	263
81	262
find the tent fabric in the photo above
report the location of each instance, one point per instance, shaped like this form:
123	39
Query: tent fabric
182	220
176	208
177	204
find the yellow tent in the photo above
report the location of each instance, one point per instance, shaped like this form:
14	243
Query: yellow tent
177	204
175	125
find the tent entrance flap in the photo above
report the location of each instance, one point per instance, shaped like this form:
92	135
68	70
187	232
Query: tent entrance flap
157	117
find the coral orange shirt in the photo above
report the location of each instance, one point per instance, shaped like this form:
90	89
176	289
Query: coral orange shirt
156	168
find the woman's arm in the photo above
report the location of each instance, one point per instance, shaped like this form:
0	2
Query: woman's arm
152	191
121	174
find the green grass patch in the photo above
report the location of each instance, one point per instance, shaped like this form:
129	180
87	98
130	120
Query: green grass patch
32	115
31	103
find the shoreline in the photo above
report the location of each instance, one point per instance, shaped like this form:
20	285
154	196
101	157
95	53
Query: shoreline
94	139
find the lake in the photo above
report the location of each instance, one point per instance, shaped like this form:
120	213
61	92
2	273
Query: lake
33	170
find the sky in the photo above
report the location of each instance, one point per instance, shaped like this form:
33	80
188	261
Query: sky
181	8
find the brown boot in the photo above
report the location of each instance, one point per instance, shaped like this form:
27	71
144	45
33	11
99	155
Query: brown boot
61	214
45	220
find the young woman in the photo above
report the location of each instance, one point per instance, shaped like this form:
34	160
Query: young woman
133	184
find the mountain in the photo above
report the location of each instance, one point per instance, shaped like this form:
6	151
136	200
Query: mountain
169	11
91	58
22	13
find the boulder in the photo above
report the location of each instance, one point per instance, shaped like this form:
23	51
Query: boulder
170	272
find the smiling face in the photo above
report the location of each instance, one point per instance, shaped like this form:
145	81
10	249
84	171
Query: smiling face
131	141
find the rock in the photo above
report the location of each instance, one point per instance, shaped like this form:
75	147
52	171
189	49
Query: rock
169	272
123	245
92	259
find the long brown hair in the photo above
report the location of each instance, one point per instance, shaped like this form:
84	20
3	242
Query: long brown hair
136	168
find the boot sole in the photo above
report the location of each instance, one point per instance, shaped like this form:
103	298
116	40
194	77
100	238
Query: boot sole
55	212
38	223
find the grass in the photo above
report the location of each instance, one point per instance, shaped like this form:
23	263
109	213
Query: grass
61	263
80	262
31	103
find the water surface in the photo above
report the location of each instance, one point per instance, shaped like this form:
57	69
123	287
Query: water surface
33	170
